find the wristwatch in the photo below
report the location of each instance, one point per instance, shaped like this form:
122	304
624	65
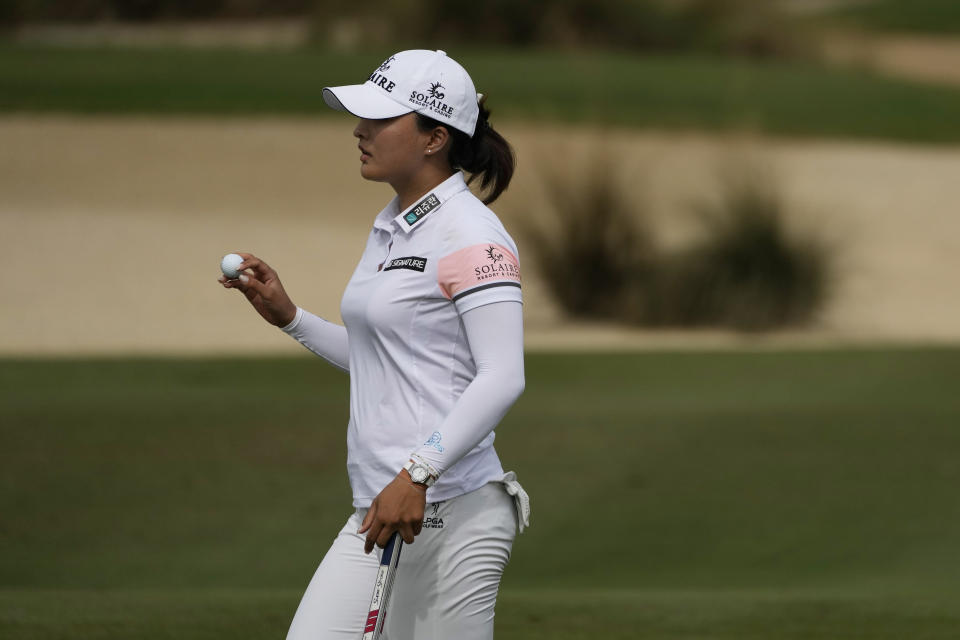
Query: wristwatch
420	473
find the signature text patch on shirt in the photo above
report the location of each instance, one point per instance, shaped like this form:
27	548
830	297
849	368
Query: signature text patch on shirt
478	267
411	262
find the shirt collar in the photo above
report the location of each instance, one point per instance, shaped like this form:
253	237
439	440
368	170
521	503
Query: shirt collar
412	216
384	219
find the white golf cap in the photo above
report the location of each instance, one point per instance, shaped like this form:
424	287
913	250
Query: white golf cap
427	82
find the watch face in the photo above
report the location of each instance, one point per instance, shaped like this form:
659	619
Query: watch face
419	474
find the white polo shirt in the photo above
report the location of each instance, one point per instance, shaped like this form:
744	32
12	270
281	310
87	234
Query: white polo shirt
409	358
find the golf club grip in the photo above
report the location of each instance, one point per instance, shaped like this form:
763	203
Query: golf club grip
373	625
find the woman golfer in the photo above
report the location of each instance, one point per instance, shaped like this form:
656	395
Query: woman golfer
433	344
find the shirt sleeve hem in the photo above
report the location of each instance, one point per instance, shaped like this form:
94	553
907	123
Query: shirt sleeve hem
488	296
290	328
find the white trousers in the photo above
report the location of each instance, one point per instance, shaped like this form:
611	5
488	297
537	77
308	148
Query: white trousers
446	582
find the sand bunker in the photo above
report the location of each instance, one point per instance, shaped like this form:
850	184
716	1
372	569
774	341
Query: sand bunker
114	228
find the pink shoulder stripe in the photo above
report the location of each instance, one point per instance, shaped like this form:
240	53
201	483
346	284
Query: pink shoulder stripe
480	264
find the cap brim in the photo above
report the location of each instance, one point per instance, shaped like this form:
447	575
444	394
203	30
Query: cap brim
363	101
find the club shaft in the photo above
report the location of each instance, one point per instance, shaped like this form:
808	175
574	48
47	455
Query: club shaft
373	625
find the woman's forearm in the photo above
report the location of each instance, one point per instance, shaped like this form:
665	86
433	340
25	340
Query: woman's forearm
495	335
326	339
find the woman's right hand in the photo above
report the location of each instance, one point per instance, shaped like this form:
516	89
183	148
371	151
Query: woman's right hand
262	288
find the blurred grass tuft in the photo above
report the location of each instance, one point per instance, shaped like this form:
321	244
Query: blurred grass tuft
596	247
748	270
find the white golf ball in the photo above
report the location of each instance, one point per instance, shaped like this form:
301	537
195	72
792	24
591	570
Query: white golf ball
229	265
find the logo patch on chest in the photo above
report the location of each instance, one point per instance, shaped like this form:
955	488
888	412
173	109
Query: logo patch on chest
410	262
421	209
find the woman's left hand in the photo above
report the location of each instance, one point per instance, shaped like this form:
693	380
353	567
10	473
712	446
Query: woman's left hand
399	507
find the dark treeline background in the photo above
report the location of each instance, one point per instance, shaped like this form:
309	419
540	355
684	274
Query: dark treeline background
749	27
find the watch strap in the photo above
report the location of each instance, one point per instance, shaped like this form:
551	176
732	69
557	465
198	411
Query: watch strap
413	466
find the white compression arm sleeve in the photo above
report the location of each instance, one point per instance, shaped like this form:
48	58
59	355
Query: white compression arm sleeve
495	334
326	339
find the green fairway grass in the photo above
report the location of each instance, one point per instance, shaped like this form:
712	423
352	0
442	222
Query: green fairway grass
542	614
676	92
731	495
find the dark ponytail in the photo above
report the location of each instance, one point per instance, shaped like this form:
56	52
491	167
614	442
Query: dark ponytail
487	155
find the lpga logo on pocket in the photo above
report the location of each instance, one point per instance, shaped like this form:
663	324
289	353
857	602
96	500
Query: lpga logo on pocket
433	520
